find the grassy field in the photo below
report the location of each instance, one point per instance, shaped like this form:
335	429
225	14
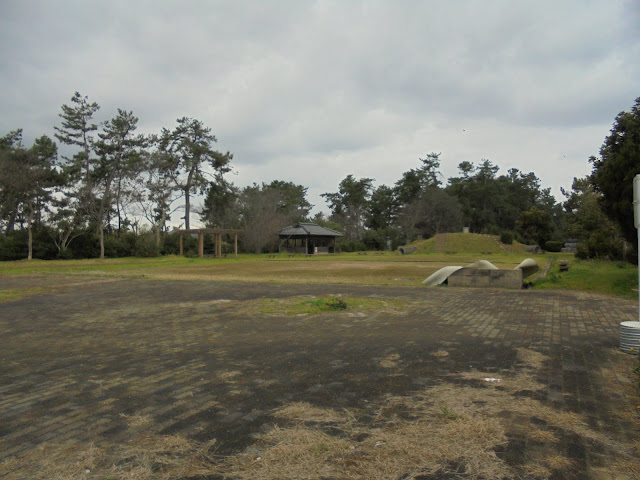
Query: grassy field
371	268
361	268
613	278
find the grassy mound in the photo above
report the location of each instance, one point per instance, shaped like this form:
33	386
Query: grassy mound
472	243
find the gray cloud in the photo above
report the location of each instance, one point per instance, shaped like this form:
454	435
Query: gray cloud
313	91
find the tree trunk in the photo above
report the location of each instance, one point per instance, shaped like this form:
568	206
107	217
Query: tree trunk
12	220
30	222
160	225
101	242
104	206
187	208
187	198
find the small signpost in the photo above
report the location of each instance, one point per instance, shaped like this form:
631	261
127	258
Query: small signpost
630	331
636	221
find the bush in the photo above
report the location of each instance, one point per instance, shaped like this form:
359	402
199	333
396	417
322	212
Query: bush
146	245
13	245
377	239
600	245
352	246
553	246
582	252
65	254
506	238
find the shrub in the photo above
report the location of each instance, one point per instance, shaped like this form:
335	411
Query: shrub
352	246
553	246
506	238
146	245
65	254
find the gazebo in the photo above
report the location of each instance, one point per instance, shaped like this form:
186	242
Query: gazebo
308	239
217	233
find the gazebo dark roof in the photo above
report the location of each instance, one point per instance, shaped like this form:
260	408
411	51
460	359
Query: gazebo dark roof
308	230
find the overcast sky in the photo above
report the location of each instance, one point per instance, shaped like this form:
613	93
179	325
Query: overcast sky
311	91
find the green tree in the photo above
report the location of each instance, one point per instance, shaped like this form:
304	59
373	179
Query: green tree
190	148
77	130
383	208
615	168
293	199
415	181
261	217
492	203
120	157
350	204
160	191
598	235
10	180
535	224
435	211
28	178
219	210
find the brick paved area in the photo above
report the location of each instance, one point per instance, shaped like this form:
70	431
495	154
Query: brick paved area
195	357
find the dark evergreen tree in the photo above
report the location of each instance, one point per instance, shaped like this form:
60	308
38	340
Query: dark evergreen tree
615	168
349	206
189	147
120	157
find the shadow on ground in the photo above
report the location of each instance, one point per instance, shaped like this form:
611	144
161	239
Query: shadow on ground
159	379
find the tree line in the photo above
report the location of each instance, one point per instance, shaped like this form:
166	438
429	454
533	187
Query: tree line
115	190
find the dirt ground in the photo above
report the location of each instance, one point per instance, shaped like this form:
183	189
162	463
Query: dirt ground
112	378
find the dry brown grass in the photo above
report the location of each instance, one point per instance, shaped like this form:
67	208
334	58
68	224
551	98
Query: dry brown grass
137	420
145	457
305	412
531	358
54	462
455	427
440	353
557	462
398	448
537	471
512	383
390	361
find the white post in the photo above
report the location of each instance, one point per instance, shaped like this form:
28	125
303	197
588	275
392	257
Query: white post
636	220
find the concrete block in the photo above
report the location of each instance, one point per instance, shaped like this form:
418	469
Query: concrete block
472	277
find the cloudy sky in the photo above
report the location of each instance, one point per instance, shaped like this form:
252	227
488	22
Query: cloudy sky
311	91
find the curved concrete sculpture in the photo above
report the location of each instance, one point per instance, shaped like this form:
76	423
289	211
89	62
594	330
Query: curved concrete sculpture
440	276
527	267
482	265
407	250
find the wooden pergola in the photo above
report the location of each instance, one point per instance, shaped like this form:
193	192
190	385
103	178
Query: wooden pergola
217	233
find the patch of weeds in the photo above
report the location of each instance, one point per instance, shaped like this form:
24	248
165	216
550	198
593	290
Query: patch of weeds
332	303
449	414
613	278
12	294
315	305
553	278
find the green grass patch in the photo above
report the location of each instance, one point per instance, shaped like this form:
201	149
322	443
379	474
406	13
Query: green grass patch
613	278
11	294
314	306
466	243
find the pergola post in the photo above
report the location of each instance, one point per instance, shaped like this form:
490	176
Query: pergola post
235	246
219	245
200	244
181	248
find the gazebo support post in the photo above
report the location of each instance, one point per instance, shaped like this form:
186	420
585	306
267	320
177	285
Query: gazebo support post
200	244
181	248
235	246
